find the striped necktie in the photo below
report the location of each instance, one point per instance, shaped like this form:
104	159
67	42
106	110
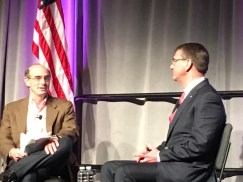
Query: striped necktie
180	100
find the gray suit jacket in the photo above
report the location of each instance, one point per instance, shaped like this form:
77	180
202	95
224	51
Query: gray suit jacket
193	138
60	120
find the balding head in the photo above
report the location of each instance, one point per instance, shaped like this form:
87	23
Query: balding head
32	69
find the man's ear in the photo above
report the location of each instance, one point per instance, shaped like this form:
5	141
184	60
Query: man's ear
189	65
27	81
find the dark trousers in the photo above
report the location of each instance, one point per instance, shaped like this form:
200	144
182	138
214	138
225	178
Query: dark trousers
40	165
128	171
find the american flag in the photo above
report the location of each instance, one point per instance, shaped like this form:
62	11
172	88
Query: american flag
50	47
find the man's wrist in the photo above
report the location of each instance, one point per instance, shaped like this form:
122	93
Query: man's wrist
56	136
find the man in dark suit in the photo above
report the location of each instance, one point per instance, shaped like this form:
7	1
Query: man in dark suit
37	116
195	129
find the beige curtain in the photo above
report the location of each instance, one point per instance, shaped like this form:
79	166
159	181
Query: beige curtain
125	46
128	48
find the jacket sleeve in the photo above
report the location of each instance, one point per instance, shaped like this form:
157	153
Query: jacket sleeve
6	139
67	126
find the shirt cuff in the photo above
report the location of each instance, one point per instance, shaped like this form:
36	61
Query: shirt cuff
158	157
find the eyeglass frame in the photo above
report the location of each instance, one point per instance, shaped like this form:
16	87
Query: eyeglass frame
38	78
176	60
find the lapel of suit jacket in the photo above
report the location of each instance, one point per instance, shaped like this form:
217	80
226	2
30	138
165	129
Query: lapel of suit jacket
21	115
184	104
51	113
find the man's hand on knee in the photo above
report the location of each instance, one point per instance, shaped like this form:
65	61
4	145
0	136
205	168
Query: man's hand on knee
51	147
16	154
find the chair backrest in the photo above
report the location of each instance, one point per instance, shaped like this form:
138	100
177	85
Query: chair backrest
223	150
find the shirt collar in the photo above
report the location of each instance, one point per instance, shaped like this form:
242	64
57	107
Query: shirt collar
193	84
32	103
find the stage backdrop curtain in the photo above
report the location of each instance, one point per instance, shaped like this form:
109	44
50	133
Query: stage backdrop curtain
126	46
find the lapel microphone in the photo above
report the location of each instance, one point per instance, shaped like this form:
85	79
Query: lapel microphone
39	117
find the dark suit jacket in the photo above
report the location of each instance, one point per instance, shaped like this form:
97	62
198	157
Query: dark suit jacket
60	120
193	137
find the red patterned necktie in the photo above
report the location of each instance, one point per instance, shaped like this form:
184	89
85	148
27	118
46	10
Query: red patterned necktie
180	100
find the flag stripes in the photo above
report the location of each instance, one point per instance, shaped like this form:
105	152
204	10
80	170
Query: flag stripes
49	46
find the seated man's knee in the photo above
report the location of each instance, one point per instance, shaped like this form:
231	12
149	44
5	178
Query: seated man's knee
123	173
108	170
65	144
107	167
